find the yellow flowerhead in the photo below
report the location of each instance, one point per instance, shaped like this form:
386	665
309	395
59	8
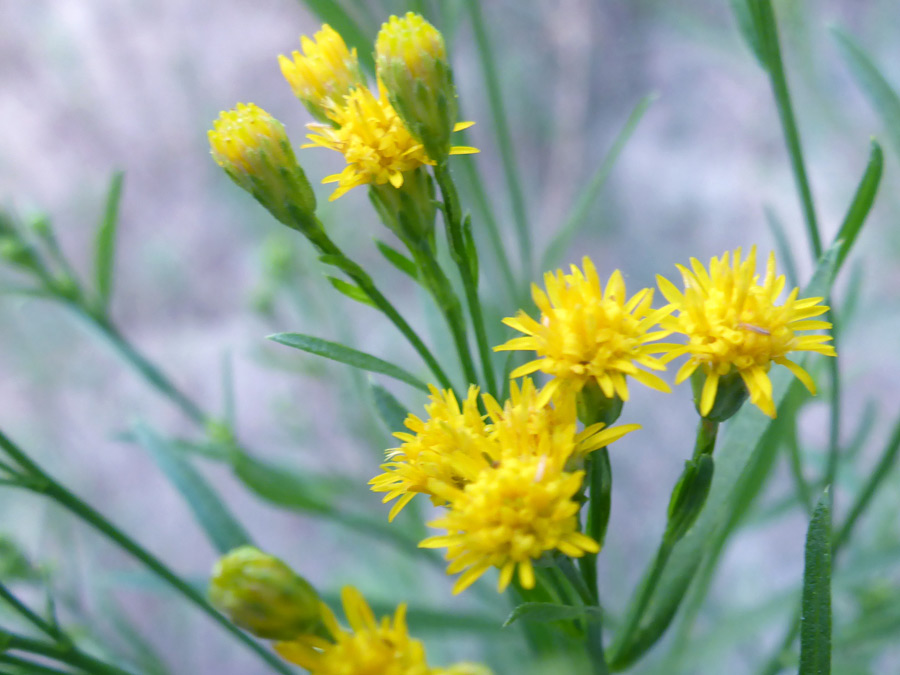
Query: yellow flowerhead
516	499
412	63
375	143
369	647
261	594
444	448
255	152
324	73
590	333
733	325
510	515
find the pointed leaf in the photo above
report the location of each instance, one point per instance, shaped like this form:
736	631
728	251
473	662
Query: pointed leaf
217	522
398	260
344	354
352	291
105	241
286	487
549	611
862	201
815	623
389	409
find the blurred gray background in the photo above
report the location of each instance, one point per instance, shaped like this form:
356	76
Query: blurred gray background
93	86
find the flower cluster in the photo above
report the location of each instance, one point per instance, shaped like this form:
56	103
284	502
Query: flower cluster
510	479
379	145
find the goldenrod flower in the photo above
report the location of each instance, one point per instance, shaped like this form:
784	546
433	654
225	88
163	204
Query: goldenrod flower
734	325
510	485
255	152
261	594
509	516
370	647
444	448
590	333
375	143
412	64
324	73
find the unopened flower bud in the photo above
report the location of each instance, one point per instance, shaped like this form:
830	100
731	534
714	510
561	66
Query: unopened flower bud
255	152
324	73
263	595
412	65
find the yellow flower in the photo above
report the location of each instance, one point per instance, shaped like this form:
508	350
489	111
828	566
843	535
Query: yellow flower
324	73
370	647
375	143
733	324
508	517
514	498
255	152
442	448
412	64
590	333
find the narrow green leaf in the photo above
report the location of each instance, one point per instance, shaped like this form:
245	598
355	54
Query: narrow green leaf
288	488
862	201
344	354
815	623
737	447
398	260
105	241
333	13
745	26
548	611
389	409
577	217
881	94
352	291
217	522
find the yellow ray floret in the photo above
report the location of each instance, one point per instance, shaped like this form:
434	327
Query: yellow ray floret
324	73
733	324
376	145
590	333
443	447
369	646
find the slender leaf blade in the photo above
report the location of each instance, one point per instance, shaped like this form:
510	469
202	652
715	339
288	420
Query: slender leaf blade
389	409
105	240
862	201
343	354
883	97
815	622
548	611
211	514
397	259
352	291
285	487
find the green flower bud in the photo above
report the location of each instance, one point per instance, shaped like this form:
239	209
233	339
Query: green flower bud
264	596
595	406
255	152
411	61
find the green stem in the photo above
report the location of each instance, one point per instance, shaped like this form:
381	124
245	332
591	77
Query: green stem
44	484
800	483
707	431
42	625
767	31
597	515
834	425
325	245
65	653
455	235
30	667
504	139
593	626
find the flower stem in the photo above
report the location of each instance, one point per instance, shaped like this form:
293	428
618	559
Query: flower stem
65	653
39	481
44	626
467	269
325	245
598	514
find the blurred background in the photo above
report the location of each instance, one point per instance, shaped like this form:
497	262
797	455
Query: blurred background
203	274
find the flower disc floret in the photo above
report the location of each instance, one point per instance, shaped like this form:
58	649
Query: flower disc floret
733	323
590	333
324	73
511	515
